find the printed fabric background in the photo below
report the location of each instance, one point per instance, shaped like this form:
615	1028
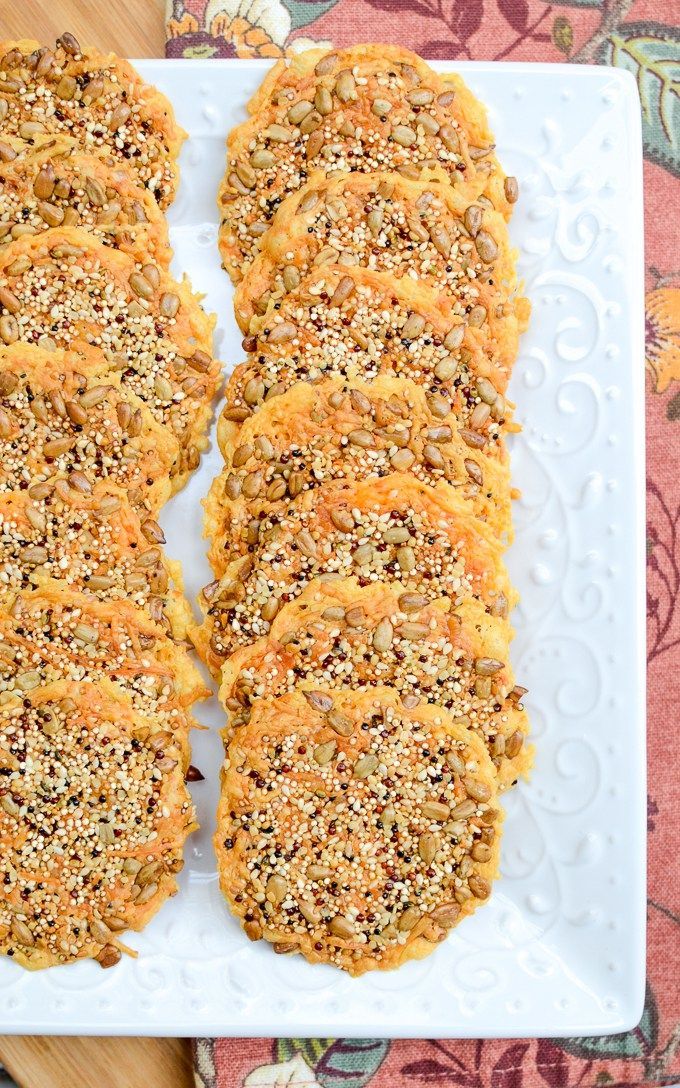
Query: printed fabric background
643	37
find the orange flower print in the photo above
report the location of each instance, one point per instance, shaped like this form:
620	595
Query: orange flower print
256	29
230	28
662	335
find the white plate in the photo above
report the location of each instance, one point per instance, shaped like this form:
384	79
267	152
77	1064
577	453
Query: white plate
559	950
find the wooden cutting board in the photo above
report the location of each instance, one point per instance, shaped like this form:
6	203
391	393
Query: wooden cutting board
133	28
59	1062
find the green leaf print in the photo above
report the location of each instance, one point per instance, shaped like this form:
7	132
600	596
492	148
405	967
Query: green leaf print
337	1063
310	1049
651	51
304	12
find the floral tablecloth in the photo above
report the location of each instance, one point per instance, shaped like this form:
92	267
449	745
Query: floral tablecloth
644	37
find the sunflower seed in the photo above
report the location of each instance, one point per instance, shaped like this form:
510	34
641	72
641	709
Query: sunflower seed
341	927
277	889
278	134
479	791
340	723
428	845
290	277
398	534
299	111
69	43
449	138
464	809
147	893
365	766
511	190
261	159
404	135
412	327
9	300
345	87
383	635
323	753
408	919
513	745
486	247
282	333
319	700
363	554
21	931
323	101
480	888
420	98
446	914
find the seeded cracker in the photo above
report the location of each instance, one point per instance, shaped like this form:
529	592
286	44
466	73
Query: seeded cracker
380	824
421	536
423	230
59	423
340	635
351	323
98	854
96	545
132	317
64	187
364	109
336	433
96	102
54	633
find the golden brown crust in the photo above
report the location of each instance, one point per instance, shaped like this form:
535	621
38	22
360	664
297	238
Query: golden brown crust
59	421
337	432
421	536
421	230
131	317
363	109
340	633
97	545
93	817
97	101
358	619
63	186
371	863
351	323
55	633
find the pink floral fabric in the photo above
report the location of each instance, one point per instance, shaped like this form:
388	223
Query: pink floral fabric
642	36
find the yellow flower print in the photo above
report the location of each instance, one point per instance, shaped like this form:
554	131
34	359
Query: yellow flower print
256	28
662	335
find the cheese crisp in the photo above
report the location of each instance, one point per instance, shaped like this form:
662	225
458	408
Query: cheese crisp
369	861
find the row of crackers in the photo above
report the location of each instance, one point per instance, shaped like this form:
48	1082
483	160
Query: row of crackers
106	379
359	616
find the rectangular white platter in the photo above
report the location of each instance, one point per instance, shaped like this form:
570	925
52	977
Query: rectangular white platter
560	948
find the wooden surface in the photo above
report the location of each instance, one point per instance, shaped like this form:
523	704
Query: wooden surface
56	1062
133	28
